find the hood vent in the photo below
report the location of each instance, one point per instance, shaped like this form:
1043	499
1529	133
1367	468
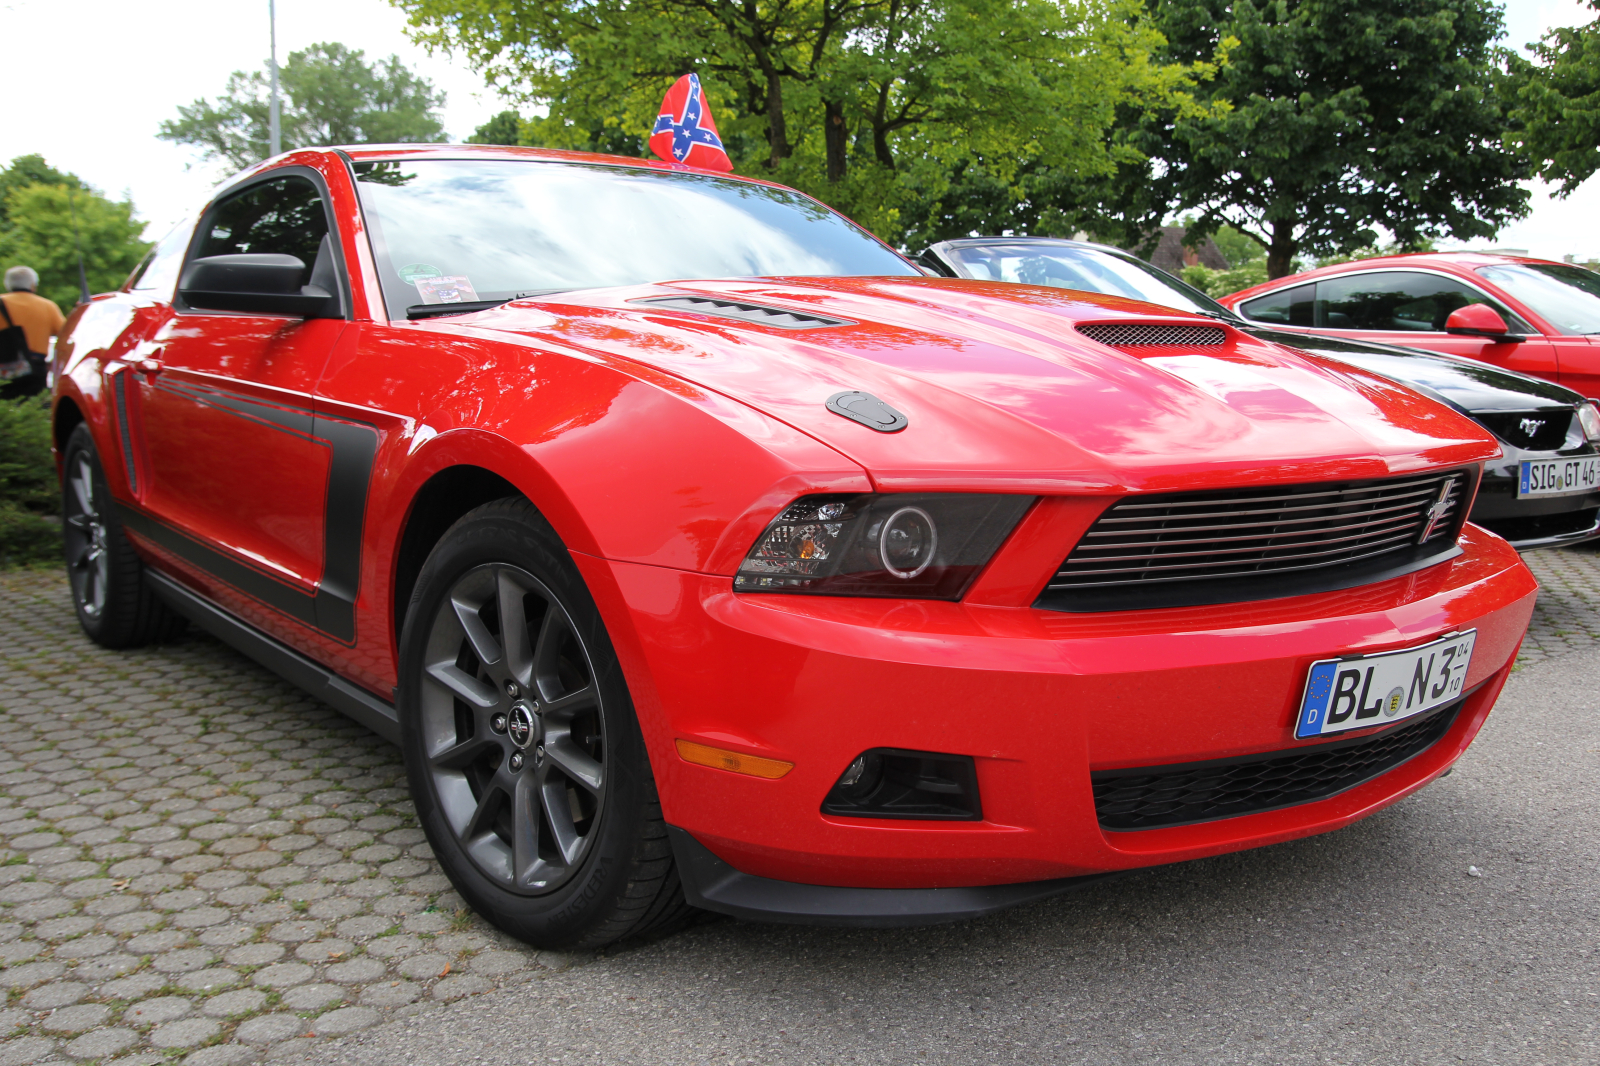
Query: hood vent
1140	336
743	312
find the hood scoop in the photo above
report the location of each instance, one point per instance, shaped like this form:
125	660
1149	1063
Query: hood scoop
781	317
1150	336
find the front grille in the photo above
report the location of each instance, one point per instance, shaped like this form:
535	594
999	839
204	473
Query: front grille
1536	431
782	317
1212	537
1138	336
1157	797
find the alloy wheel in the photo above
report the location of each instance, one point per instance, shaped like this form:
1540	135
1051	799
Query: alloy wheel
88	563
512	728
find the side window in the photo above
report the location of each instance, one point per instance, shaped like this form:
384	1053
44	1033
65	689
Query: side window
1396	301
1286	307
159	271
283	216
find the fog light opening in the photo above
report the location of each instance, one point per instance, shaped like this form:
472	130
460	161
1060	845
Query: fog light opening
891	783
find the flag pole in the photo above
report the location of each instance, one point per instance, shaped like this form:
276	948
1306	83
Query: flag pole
274	124
83	277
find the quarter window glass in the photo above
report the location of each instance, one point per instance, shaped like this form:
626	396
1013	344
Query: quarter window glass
1567	297
1286	307
159	272
284	216
1397	301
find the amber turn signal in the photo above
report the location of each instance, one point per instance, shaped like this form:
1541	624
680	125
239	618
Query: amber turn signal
704	755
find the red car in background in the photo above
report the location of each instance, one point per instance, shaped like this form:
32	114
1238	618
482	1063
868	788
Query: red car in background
698	550
1530	315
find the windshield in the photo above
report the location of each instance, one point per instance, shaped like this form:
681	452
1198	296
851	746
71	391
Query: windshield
1068	266
458	230
1567	297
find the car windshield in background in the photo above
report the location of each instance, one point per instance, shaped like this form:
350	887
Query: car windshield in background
1088	269
1567	297
449	231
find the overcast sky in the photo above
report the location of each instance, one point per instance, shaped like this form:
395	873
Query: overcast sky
103	75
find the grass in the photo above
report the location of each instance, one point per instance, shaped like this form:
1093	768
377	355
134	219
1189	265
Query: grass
30	531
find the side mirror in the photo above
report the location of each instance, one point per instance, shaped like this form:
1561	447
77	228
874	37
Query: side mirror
1480	320
265	283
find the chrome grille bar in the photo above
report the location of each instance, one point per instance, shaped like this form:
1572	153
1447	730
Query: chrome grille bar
1240	533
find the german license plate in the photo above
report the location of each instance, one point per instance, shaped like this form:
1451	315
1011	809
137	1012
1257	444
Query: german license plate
1362	691
1558	477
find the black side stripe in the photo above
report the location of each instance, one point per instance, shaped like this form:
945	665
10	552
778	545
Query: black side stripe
354	445
119	389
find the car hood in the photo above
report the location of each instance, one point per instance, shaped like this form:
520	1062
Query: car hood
1002	392
1465	384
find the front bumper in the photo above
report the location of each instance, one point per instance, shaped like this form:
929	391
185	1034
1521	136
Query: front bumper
1040	699
1539	522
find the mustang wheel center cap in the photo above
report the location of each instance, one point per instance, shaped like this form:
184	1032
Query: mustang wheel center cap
522	724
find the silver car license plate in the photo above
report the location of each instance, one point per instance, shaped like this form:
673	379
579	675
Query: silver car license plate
1362	691
1558	477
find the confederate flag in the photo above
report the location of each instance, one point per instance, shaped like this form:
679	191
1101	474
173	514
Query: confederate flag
684	131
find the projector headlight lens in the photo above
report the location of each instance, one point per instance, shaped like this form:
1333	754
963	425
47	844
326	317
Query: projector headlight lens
915	545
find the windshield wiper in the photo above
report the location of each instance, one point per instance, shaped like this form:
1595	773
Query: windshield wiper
467	307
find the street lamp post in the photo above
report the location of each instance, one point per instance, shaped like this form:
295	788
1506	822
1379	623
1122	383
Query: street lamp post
274	126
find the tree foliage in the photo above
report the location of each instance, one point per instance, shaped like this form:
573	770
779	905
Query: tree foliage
330	94
1555	104
28	487
36	230
883	108
1344	116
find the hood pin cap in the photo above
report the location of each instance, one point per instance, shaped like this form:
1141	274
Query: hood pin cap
867	409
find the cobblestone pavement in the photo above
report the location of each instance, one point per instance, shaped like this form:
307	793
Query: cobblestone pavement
198	860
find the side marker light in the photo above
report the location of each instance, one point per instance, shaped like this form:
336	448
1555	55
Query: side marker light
754	765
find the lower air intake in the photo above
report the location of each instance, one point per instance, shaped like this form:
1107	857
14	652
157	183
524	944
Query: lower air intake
1158	797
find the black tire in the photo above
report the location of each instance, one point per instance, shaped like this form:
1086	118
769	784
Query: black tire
114	605
527	766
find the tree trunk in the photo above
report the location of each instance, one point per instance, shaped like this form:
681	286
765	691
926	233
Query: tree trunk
777	128
836	138
1280	253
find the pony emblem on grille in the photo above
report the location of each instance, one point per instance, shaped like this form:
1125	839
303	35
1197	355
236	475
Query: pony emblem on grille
1531	426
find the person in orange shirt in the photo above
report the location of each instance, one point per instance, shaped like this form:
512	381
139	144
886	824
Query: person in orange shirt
38	319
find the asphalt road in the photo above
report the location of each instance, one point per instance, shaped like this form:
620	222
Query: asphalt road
1461	925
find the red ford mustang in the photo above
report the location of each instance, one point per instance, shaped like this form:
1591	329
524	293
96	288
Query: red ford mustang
699	551
1529	315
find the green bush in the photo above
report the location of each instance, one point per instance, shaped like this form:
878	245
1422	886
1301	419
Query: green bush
30	531
1217	283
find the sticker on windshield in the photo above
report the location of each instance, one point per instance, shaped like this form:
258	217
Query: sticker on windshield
414	272
451	290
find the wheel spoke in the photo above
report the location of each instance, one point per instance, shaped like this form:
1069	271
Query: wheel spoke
83	487
514	627
526	864
575	762
81	522
460	756
484	646
480	694
562	708
547	654
483	815
558	814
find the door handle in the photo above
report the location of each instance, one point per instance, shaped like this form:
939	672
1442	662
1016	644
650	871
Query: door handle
148	365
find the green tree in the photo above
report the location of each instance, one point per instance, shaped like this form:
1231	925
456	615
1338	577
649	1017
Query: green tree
28	170
330	95
1555	104
29	493
1342	117
504	128
880	107
37	214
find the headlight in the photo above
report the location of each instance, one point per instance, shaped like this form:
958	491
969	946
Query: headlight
1589	418
919	545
